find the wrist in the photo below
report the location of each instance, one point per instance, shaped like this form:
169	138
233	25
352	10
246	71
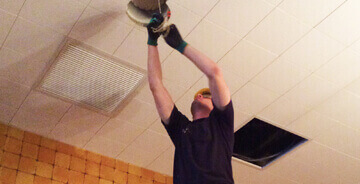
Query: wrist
181	47
152	42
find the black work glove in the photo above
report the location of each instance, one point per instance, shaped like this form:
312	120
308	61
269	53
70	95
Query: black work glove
174	40
155	22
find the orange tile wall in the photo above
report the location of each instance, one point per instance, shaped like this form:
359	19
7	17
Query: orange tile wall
27	158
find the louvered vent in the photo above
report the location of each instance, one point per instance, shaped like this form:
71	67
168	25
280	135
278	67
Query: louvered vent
91	79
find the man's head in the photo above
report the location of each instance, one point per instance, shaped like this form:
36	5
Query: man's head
202	104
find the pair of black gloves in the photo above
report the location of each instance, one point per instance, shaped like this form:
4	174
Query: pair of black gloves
173	38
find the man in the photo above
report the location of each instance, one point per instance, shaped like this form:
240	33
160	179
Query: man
204	146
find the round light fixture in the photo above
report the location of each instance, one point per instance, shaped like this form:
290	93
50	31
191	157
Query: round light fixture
141	11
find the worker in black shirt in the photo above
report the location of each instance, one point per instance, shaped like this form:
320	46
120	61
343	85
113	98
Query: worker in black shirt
204	146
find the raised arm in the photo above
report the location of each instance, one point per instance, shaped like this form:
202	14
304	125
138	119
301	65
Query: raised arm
163	101
219	90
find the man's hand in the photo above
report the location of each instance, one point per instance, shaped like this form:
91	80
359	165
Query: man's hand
155	22
174	40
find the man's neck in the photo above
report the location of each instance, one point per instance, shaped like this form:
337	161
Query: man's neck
200	115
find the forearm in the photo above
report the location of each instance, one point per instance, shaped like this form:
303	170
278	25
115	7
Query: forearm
201	61
219	89
163	101
154	67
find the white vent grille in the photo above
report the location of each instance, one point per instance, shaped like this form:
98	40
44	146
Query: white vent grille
88	78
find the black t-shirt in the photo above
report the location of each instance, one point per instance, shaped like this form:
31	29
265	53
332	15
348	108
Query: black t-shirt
203	148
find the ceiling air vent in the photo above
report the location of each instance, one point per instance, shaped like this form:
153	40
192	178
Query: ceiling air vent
259	143
82	75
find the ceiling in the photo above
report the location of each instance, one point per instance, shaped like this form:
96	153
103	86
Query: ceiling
293	63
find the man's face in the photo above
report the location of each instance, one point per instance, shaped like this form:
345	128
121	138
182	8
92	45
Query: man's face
204	101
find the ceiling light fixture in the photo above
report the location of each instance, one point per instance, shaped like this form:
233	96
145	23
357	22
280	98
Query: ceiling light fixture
141	11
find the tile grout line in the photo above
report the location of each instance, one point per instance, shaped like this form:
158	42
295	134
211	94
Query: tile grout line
11	27
229	49
337	151
73	26
158	156
202	18
308	109
123	41
58	122
336	92
330	14
1	47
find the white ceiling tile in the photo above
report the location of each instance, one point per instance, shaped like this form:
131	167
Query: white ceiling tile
338	167
7	20
149	140
280	76
356	46
137	41
246	59
354	87
264	177
329	165
282	112
12	94
200	7
184	19
116	8
60	15
294	170
277	32
311	124
12	6
33	40
158	127
242	171
169	153
311	12
139	113
274	2
239	17
343	107
41	103
343	24
251	98
311	91
240	119
279	180
174	90
144	94
162	165
247	174
341	138
78	119
103	146
233	81
120	131
137	156
71	135
180	70
100	30
39	124
212	40
20	68
342	69
313	50
6	113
